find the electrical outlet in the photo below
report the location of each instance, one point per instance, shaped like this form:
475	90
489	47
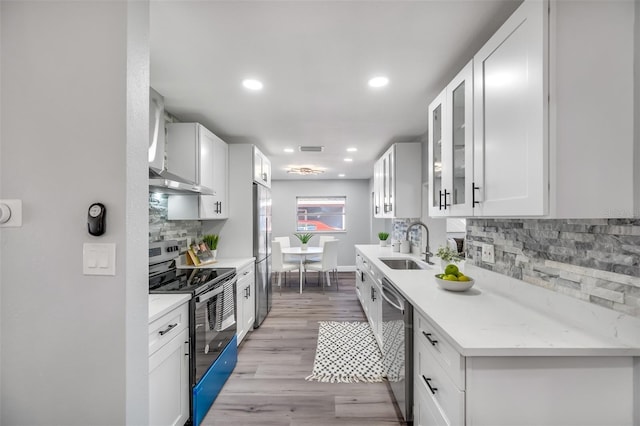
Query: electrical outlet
488	254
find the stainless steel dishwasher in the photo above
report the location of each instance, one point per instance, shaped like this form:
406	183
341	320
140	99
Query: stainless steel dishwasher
397	343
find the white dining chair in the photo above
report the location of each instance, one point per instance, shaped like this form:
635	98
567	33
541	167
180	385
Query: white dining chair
328	264
285	242
323	239
278	265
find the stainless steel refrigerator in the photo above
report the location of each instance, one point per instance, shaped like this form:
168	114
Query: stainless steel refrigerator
262	250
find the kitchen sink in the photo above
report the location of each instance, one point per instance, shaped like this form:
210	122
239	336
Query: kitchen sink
402	264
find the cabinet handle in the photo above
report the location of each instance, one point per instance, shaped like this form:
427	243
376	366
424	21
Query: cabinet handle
373	294
427	380
428	336
445	199
249	291
166	330
473	195
439	199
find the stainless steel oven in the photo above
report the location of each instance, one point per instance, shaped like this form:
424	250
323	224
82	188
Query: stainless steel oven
214	324
212	321
397	342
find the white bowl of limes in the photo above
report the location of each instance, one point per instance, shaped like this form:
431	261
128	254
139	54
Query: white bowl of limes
454	280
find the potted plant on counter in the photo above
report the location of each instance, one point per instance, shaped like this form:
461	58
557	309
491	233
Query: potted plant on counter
383	236
447	255
211	240
304	239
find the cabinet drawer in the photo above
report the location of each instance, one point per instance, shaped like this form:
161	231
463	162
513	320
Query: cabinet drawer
438	386
443	352
246	272
165	328
425	411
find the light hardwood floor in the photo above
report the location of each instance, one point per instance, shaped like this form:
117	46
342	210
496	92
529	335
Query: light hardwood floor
268	385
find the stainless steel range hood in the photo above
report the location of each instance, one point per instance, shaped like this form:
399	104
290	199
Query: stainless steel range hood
166	183
160	180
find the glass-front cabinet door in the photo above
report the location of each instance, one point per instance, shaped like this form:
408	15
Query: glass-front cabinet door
451	148
460	135
436	128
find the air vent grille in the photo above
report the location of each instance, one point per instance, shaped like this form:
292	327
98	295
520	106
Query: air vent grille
309	148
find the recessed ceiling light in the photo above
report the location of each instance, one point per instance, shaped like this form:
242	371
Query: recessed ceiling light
348	160
352	149
288	150
379	81
252	84
341	175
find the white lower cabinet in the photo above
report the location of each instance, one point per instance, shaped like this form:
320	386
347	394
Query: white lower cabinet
368	289
169	368
245	296
450	389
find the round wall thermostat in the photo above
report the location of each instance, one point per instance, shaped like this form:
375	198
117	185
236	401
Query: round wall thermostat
5	213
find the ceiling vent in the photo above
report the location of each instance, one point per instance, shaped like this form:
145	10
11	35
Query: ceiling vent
309	148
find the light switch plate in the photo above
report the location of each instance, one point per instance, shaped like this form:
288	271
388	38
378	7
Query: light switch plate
488	254
98	259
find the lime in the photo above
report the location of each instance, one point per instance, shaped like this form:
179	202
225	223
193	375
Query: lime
464	278
450	277
451	269
459	274
439	276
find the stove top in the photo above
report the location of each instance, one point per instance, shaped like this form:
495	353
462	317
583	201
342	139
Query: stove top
193	281
164	277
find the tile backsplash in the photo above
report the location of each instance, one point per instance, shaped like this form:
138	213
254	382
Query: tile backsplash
596	260
400	229
162	229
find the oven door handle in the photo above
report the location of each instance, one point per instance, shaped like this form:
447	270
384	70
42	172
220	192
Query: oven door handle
399	305
210	294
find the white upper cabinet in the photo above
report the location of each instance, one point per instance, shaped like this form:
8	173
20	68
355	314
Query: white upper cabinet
451	148
261	168
397	179
510	167
553	118
199	155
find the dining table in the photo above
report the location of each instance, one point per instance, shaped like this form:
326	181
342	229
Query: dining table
302	255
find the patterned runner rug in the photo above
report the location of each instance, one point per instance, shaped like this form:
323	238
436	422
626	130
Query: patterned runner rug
347	352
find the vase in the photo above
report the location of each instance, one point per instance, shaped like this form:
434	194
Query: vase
214	253
383	243
303	246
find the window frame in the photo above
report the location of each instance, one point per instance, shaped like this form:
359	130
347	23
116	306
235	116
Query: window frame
328	198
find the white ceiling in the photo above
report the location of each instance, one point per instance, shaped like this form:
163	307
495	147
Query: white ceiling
314	58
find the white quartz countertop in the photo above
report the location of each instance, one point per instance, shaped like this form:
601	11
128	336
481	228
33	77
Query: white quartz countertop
160	304
503	316
237	263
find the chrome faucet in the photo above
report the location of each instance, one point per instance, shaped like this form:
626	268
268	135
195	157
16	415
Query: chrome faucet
427	253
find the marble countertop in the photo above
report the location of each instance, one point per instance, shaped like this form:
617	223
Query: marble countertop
237	263
160	304
503	316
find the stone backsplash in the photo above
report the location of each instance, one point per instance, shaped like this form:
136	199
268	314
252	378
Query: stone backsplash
162	229
596	260
400	230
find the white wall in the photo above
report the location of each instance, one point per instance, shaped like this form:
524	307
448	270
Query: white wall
636	108
284	194
74	131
